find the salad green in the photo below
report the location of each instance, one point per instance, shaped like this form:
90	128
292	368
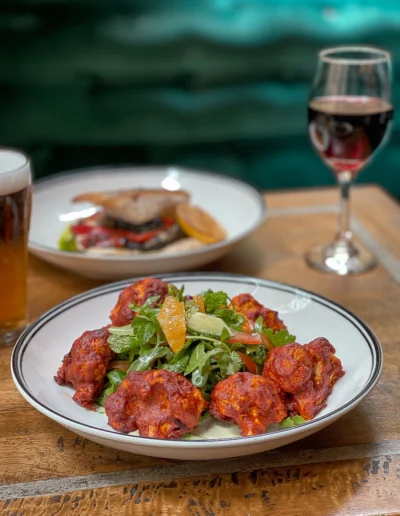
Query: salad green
67	241
291	421
206	357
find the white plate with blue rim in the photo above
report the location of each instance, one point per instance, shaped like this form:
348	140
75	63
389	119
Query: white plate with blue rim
39	352
237	206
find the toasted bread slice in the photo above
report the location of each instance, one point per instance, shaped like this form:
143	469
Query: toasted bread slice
136	206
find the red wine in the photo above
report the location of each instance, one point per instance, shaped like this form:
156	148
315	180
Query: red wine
347	130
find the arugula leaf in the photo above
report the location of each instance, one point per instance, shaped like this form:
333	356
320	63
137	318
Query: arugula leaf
232	319
176	292
121	339
257	353
121	330
143	329
106	392
258	325
289	422
113	380
204	416
213	353
172	290
125	356
215	300
116	376
279	338
177	366
199	378
203	366
146	308
148	355
223	346
225	335
121	343
190	308
130	338
183	351
178	362
168	357
213	378
147	312
199	357
196	358
236	346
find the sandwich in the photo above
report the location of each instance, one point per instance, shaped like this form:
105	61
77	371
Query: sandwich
140	220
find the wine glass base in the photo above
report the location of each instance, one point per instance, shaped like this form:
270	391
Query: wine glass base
341	258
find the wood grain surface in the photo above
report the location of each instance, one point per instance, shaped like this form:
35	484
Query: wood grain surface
364	487
351	467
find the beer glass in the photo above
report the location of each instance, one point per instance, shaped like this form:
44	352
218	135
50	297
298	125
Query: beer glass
15	207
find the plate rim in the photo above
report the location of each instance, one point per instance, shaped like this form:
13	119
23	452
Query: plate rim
35	246
19	350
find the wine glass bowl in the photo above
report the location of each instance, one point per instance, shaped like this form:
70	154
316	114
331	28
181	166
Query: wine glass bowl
349	118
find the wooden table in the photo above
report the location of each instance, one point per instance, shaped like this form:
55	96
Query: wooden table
351	467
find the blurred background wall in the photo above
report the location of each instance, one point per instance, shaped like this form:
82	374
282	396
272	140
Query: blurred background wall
213	84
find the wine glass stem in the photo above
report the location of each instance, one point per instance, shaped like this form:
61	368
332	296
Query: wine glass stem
344	236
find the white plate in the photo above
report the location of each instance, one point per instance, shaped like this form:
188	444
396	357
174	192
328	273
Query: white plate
237	206
39	351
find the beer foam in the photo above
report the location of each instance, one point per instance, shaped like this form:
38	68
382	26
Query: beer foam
15	171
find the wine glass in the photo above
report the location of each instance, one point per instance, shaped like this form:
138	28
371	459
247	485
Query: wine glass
349	117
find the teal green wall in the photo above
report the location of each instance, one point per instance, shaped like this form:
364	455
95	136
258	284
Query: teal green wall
217	84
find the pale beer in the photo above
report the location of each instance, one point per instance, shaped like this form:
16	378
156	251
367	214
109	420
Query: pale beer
15	205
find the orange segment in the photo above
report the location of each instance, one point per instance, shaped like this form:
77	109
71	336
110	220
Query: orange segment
172	321
196	223
199	302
